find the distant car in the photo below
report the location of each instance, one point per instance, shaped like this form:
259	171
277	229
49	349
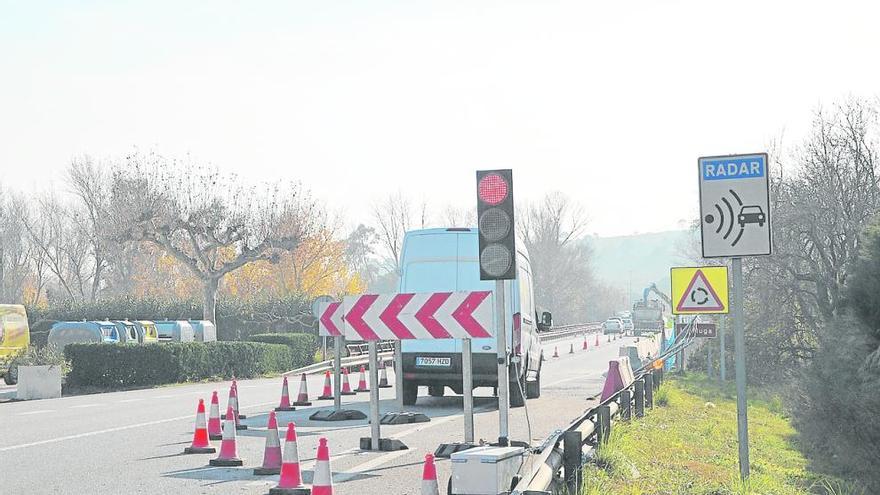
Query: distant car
751	214
612	325
627	324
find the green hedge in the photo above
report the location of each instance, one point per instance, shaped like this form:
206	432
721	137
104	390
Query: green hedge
302	345
121	365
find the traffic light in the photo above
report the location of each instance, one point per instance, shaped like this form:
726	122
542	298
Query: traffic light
496	226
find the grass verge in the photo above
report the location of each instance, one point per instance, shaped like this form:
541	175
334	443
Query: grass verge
688	447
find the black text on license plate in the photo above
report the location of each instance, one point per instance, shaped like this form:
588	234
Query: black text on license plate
433	361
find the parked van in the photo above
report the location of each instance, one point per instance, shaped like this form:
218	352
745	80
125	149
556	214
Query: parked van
175	331
81	332
128	333
15	335
204	330
434	260
147	332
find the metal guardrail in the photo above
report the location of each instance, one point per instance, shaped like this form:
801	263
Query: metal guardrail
594	427
362	348
345	362
565	331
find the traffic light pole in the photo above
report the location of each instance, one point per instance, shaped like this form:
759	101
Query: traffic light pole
501	345
740	358
467	374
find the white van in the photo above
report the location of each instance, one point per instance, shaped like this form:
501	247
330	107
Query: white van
437	260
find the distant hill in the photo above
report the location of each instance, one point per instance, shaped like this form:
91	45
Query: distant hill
633	262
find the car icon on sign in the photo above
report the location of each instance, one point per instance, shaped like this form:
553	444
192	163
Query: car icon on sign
751	214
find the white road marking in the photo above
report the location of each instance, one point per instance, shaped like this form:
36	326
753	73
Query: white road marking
164	397
125	401
108	430
83	406
41	411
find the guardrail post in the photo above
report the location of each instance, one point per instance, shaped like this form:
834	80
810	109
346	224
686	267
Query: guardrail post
571	460
640	398
625	405
603	425
649	391
601	433
606	428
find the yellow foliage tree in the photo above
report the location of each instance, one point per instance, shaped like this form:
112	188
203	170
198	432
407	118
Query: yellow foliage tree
316	267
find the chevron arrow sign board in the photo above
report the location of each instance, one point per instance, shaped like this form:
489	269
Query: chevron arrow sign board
404	316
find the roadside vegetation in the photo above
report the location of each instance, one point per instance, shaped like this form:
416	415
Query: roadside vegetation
811	309
688	446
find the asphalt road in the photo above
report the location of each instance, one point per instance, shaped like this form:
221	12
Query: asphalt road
132	442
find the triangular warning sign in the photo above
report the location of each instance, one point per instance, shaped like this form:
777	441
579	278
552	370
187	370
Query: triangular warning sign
699	296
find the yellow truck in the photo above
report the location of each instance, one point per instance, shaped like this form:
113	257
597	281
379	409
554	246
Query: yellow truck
15	335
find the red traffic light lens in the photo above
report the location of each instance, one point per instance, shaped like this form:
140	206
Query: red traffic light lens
492	189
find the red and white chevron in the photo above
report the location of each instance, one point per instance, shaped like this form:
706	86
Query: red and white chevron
330	321
437	315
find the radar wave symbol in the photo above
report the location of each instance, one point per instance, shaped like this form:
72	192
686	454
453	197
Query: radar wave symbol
727	219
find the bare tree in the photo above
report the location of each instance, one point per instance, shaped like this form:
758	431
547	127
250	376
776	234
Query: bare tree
90	184
60	246
360	254
394	217
14	248
551	230
212	224
453	216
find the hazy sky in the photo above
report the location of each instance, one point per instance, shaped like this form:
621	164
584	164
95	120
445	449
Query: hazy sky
609	102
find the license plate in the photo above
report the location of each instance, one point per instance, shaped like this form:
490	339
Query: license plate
433	361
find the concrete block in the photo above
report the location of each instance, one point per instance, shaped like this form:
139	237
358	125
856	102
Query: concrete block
39	382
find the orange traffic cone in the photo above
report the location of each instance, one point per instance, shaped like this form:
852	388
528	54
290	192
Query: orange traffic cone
285	398
302	399
233	404
322	481
571	348
555	351
200	443
362	382
429	477
238	413
290	482
597	340
228	453
585	347
383	375
215	431
232	400
328	389
272	452
346	386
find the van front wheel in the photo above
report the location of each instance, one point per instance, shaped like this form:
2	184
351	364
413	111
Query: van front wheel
410	394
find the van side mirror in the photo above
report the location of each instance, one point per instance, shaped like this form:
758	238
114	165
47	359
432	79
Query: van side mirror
545	322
